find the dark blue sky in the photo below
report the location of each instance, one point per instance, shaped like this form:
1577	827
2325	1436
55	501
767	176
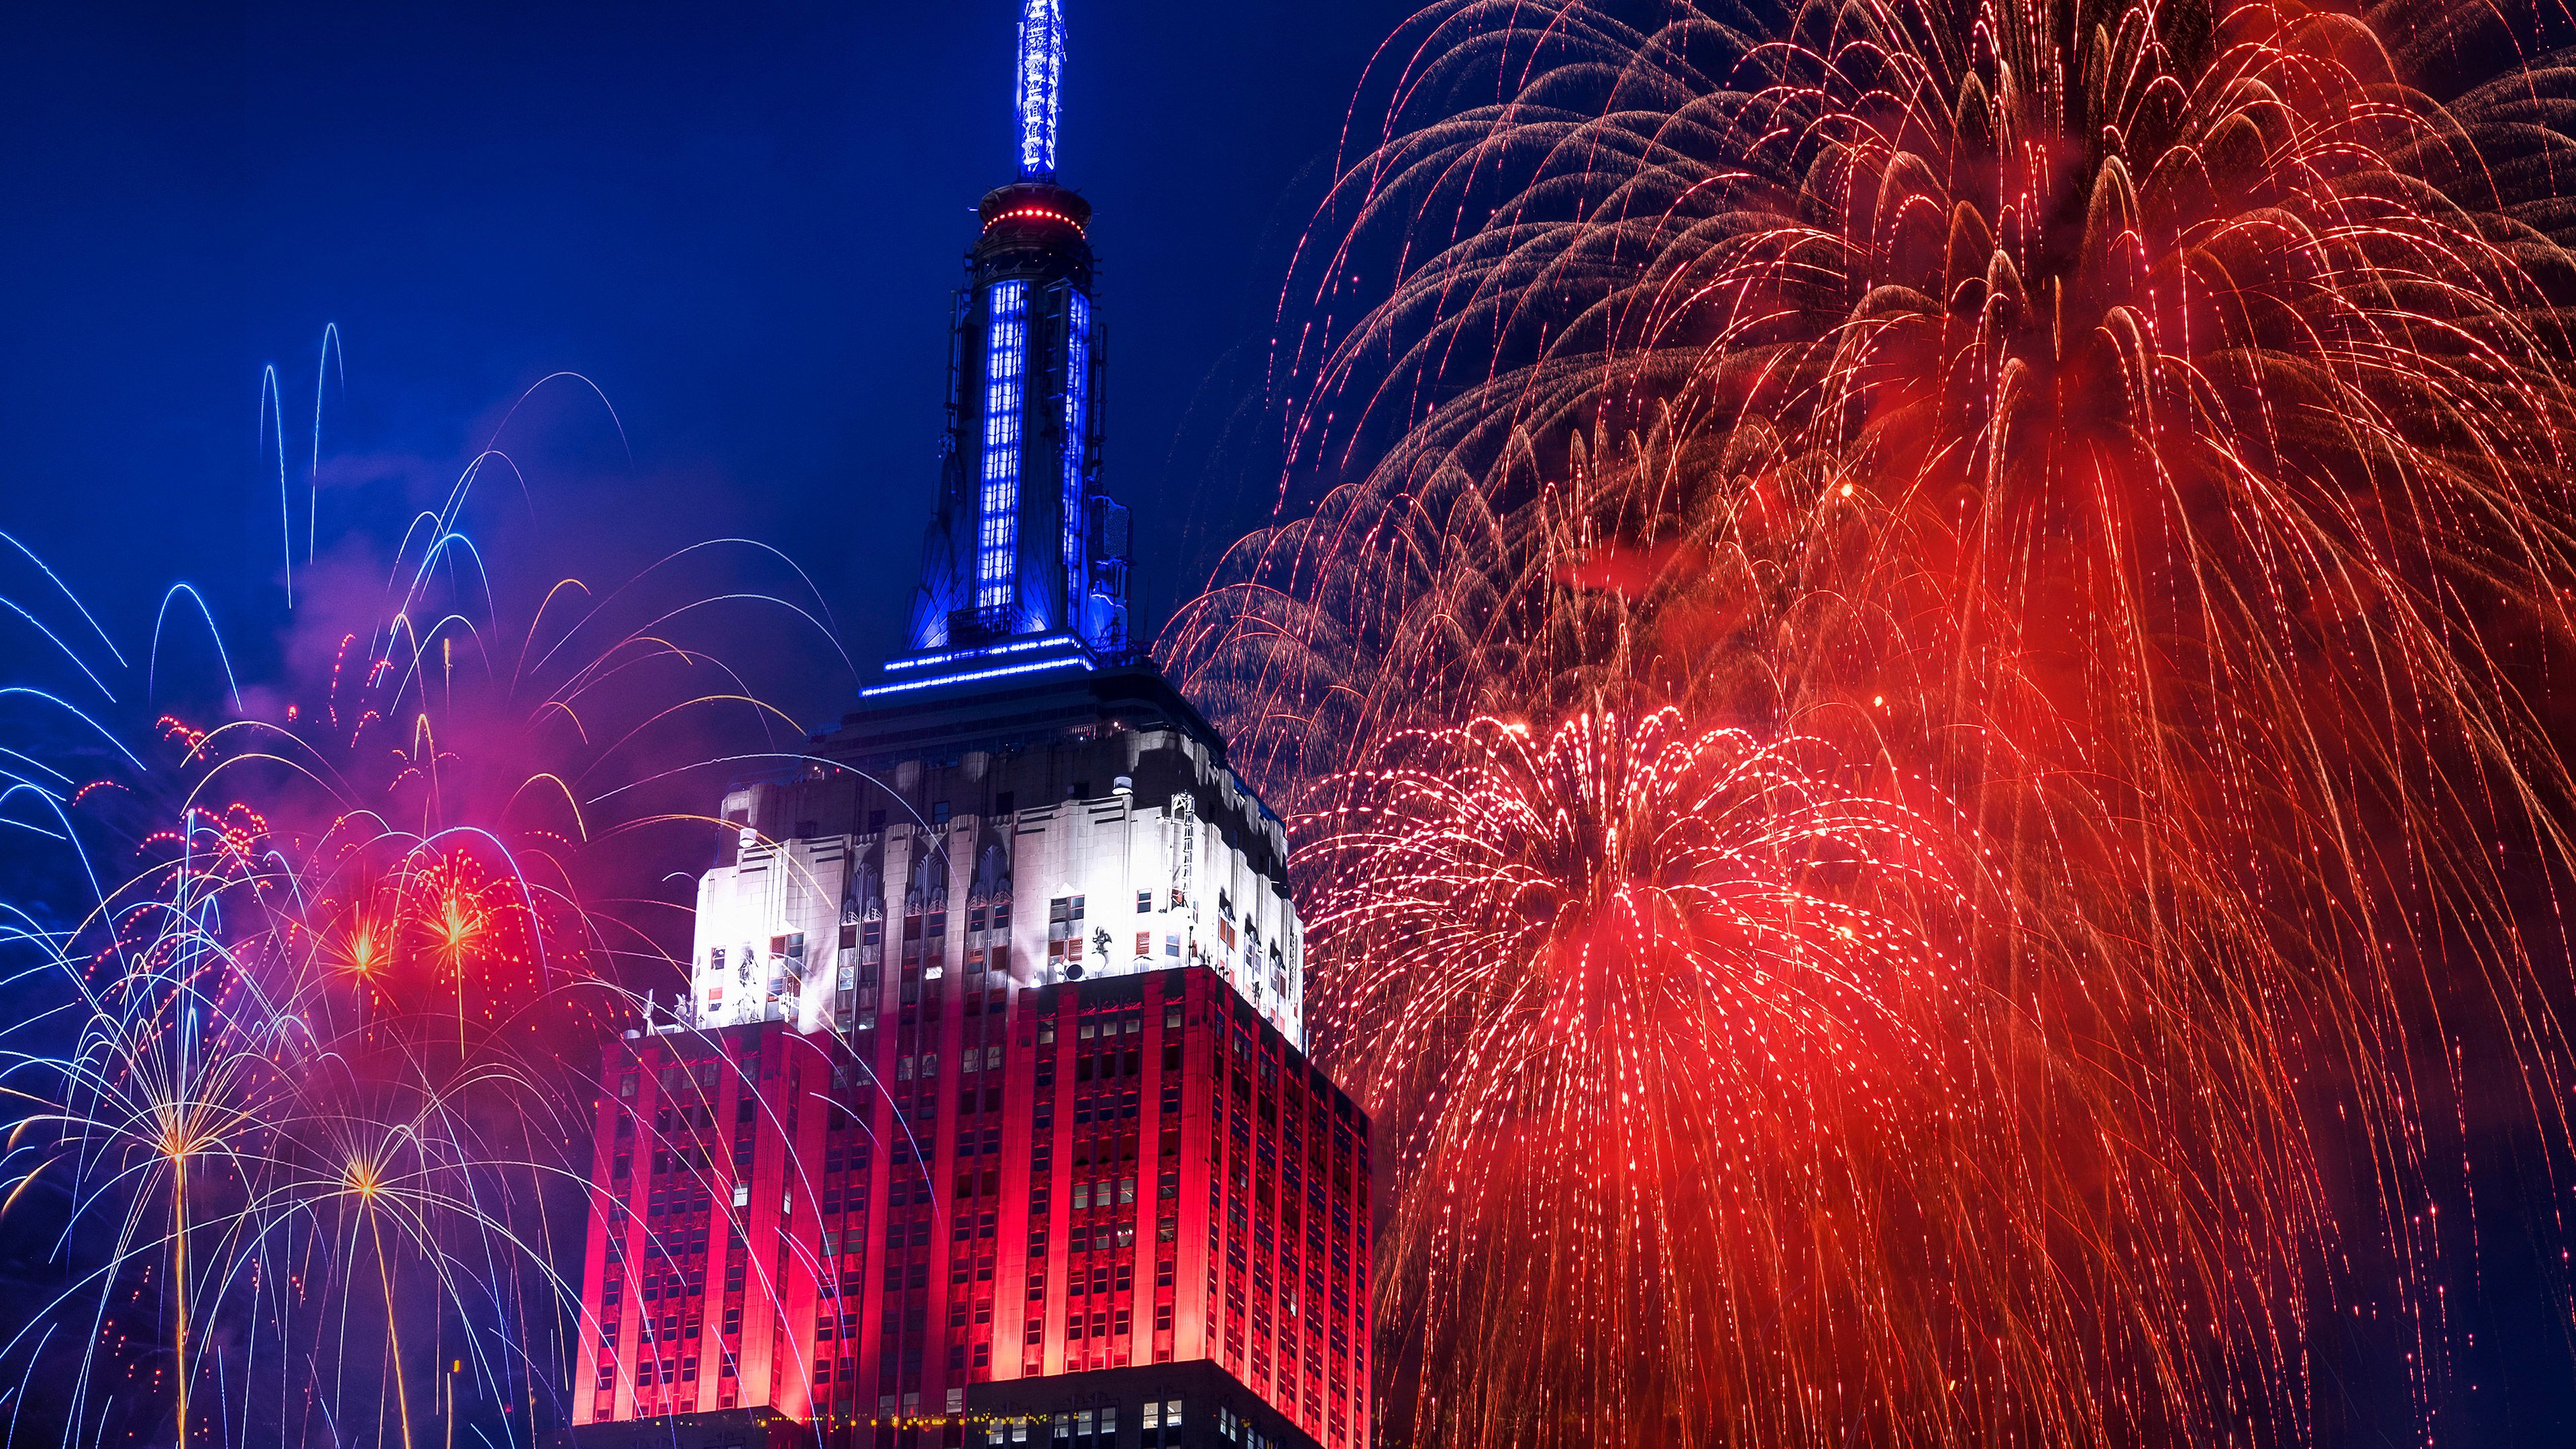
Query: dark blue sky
741	220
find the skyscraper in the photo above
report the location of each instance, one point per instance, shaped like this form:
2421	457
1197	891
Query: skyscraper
986	1118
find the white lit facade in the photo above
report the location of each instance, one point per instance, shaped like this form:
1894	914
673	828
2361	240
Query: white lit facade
824	929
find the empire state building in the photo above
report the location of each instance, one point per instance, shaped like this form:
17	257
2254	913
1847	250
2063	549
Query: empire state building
987	1118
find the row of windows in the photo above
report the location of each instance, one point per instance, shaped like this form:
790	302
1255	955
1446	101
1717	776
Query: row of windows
1156	1414
926	1064
1077	392
673	1078
1005	369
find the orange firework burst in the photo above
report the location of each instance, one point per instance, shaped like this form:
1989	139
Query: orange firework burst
1606	973
300	1076
2138	429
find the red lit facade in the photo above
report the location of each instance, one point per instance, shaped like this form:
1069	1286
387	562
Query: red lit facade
1136	1171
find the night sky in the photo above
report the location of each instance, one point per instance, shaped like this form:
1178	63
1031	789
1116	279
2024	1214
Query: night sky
742	222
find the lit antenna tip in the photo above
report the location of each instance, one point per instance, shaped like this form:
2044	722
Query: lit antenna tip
1041	67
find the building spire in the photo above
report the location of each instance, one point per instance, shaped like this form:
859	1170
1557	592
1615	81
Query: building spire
1025	564
1041	68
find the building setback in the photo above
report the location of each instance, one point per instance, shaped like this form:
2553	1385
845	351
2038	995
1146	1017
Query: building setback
986	1118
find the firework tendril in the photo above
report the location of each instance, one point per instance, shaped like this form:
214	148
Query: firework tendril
2073	495
299	1096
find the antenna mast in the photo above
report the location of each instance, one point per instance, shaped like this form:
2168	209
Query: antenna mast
1041	68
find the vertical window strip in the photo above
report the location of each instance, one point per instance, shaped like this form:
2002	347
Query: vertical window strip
1005	378
1077	402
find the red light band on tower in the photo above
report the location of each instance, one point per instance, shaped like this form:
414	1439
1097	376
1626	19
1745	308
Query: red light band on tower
1039	212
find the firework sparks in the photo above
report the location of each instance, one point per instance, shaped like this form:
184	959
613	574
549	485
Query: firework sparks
2135	433
297	1107
1576	954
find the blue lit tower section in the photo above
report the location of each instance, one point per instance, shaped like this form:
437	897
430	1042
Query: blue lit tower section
1025	565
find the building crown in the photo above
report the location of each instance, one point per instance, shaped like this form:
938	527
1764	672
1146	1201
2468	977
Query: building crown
1025	565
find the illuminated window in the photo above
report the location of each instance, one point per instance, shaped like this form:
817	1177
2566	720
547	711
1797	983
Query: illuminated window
1005	380
1077	392
1064	934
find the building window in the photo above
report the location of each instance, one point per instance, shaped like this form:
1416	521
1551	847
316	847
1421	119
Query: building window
1064	932
1005	378
1077	392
